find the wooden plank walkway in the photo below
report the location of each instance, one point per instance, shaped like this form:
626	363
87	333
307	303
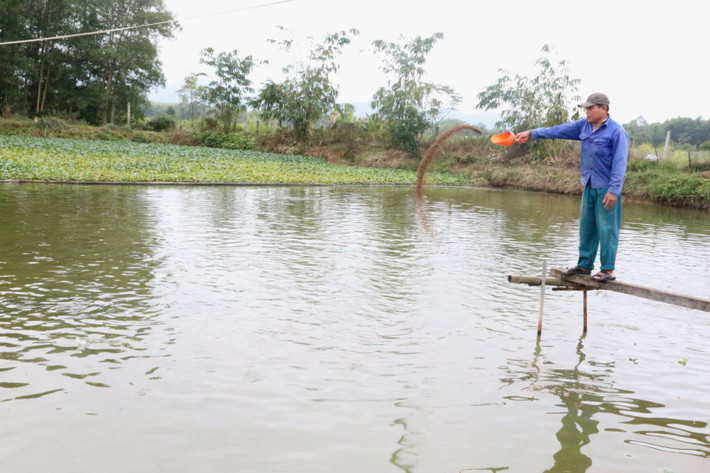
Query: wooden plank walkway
587	283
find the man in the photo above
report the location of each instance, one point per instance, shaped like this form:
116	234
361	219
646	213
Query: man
605	147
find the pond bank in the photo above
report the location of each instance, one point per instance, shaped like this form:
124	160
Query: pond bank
117	154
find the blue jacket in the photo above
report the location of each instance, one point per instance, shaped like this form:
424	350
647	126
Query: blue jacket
604	151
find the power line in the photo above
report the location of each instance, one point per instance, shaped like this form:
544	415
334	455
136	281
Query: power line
126	28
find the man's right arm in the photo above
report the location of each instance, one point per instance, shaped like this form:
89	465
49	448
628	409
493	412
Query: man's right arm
566	131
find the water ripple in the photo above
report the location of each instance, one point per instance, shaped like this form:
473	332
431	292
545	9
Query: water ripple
341	326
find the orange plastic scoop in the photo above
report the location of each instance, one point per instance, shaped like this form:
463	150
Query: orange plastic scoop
504	139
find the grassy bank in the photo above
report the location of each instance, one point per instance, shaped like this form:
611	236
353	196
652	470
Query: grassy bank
68	160
341	155
671	182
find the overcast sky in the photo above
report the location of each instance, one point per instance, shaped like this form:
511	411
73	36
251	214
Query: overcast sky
650	57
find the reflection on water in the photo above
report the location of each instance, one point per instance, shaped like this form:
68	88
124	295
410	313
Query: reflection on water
586	393
280	329
76	272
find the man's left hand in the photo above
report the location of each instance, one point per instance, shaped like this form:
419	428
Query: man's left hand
609	200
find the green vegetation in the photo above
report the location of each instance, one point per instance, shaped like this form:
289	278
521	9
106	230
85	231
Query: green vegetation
89	77
408	105
72	82
58	128
307	93
547	99
228	94
67	160
278	158
685	132
669	183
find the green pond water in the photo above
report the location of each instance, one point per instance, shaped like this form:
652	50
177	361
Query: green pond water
340	329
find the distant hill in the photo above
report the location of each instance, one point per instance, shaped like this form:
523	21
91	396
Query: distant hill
489	119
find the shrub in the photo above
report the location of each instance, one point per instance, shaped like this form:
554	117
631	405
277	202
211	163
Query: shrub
404	134
140	137
161	123
51	123
348	139
238	141
184	139
640	164
215	139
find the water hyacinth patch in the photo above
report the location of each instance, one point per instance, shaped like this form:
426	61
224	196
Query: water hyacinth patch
67	160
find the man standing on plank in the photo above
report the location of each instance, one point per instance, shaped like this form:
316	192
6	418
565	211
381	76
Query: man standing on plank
605	149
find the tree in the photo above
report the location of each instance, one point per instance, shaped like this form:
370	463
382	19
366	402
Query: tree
125	63
229	92
544	100
91	74
307	93
192	95
408	104
13	62
49	18
684	131
29	69
688	131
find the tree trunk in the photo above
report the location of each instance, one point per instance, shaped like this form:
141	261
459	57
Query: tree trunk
39	84
107	97
44	94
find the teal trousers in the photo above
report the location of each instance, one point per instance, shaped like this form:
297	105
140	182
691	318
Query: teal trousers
598	229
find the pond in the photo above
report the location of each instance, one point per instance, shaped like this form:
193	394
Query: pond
341	329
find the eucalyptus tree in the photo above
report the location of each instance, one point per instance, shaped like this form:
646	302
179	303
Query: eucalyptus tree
543	100
409	104
229	93
547	99
192	95
307	92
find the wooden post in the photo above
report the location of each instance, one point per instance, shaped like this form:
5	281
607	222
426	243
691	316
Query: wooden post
585	311
665	148
128	115
542	297
537	280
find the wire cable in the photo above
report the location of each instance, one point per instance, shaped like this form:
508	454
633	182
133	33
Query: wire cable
125	28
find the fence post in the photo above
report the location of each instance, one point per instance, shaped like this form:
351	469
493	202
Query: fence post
665	148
